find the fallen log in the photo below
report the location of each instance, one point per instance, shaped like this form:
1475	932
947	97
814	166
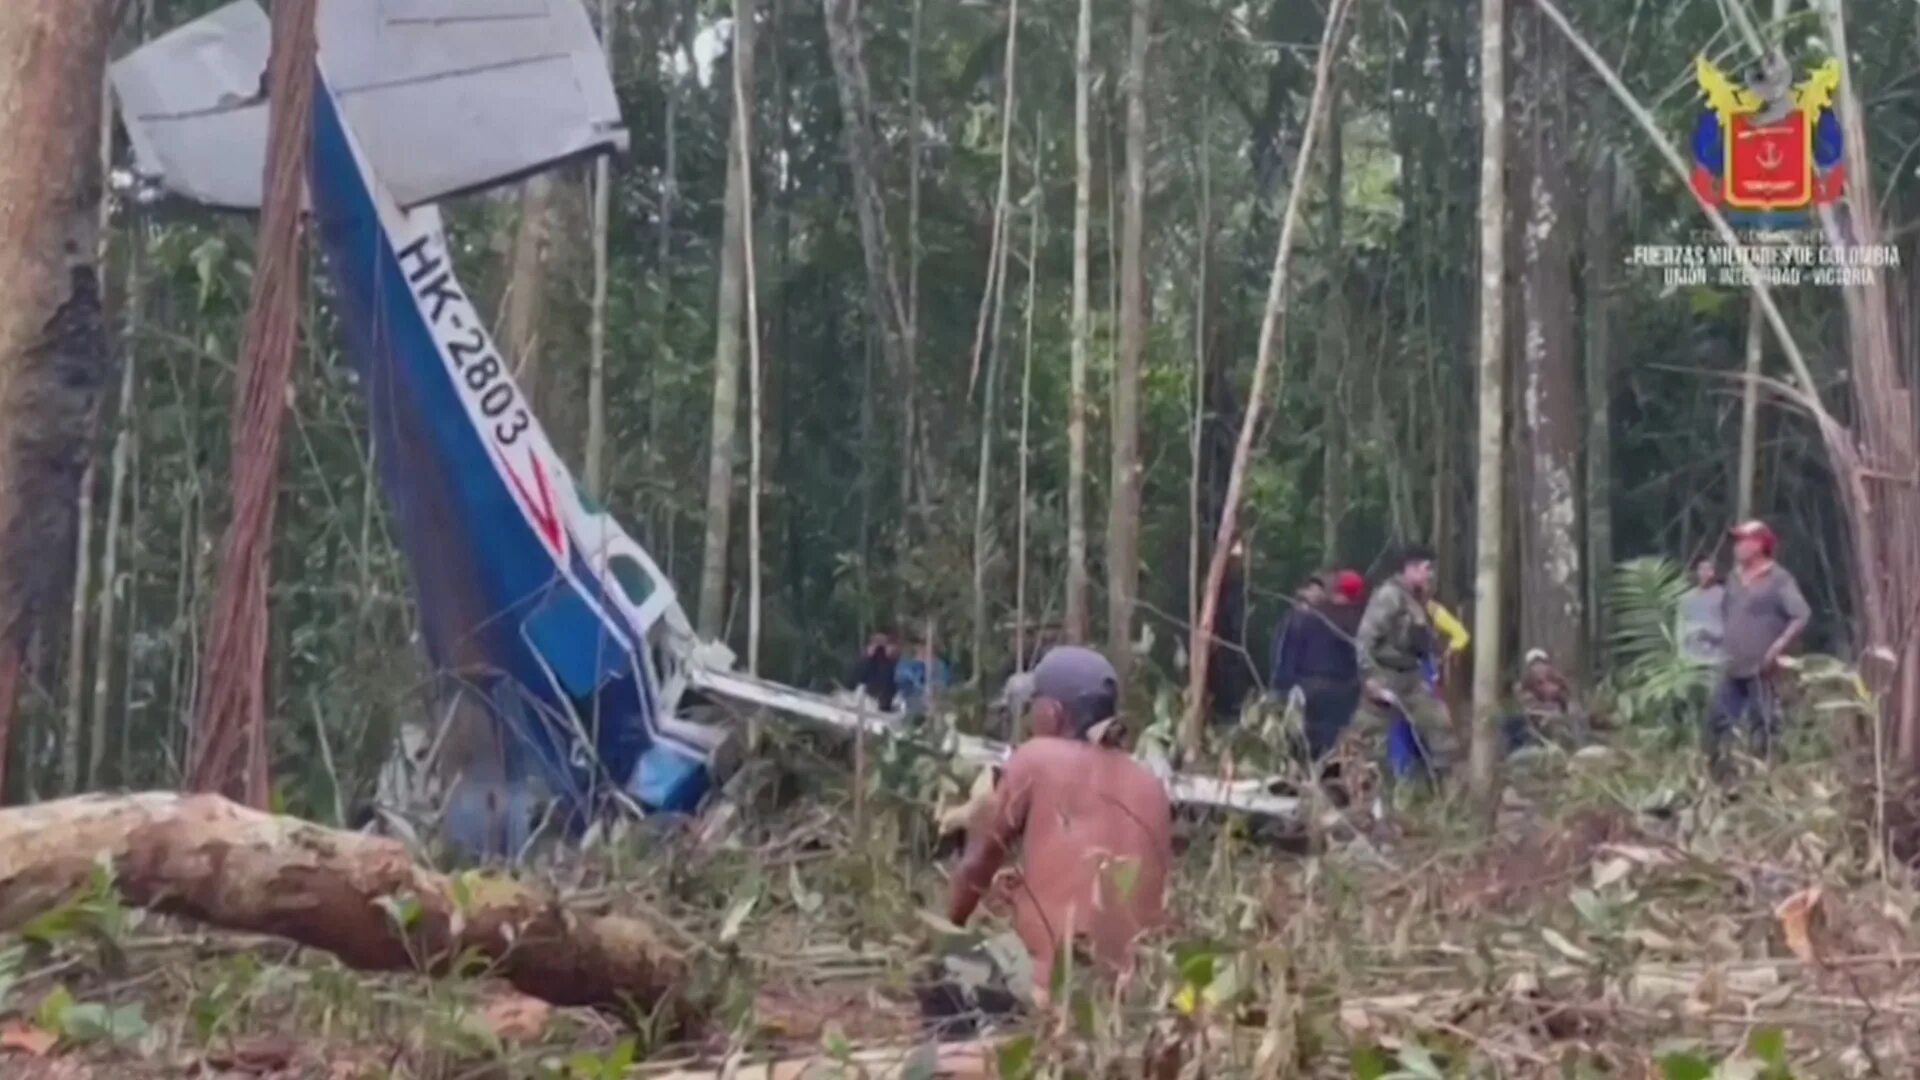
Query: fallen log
361	898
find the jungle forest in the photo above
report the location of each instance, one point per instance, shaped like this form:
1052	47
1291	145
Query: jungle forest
1463	454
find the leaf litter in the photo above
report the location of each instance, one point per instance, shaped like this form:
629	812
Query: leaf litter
1622	919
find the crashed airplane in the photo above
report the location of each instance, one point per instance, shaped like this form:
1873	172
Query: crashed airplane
555	638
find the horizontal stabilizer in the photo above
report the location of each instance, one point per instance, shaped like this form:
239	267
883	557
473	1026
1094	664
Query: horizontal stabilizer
442	96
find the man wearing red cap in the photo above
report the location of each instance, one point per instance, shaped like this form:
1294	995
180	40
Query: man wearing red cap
1765	614
1319	659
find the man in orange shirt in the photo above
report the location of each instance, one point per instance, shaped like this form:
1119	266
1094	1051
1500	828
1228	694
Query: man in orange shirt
1093	826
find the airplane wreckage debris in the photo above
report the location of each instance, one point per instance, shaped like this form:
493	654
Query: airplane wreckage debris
564	659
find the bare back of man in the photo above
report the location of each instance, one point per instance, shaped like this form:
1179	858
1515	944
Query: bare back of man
1094	831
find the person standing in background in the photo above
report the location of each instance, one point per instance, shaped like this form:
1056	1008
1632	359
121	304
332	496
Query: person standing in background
877	672
1764	614
1317	657
1396	640
1702	624
1311	592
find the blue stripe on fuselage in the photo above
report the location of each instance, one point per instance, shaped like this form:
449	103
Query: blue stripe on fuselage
502	574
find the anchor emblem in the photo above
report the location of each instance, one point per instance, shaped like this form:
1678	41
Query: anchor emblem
1769	157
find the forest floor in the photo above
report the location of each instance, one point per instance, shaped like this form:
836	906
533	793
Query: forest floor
1624	920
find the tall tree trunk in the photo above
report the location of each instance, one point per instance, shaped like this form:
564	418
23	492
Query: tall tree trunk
596	451
1335	349
119	493
1489	527
889	313
1202	312
1552	609
53	355
1599	383
1123	504
524	305
1272	330
987	341
229	749
1026	405
1078	585
730	310
1747	468
910	422
756	384
77	628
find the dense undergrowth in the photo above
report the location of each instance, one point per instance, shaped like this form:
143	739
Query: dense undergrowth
1622	919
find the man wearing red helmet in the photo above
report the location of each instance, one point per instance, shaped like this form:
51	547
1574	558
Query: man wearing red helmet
1764	615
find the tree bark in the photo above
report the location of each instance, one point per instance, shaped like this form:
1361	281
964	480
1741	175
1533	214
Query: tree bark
1272	326
1552	610
711	617
1123	503
53	355
1601	254
1078	584
1489	529
229	748
357	896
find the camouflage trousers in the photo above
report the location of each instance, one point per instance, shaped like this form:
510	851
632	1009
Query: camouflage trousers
1363	749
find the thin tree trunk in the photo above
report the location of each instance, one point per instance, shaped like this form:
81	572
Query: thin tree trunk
53	354
77	622
910	423
1272	328
1599	385
524	304
743	127
70	757
987	341
1026	407
726	349
1747	468
1335	349
1123	504
1553	616
229	750
1490	520
863	159
595	468
1078	585
1196	438
119	492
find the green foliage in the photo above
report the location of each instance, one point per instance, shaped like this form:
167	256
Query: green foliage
77	1022
1653	682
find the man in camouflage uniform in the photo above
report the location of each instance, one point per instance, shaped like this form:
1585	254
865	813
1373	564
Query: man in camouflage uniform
1396	635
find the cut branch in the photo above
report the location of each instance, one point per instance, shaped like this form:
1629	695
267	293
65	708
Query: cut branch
1271	328
359	897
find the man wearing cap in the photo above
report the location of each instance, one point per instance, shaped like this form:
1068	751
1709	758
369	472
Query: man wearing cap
1396	636
1763	614
1318	658
1093	826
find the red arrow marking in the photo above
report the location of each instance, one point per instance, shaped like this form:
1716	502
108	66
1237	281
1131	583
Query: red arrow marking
545	517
